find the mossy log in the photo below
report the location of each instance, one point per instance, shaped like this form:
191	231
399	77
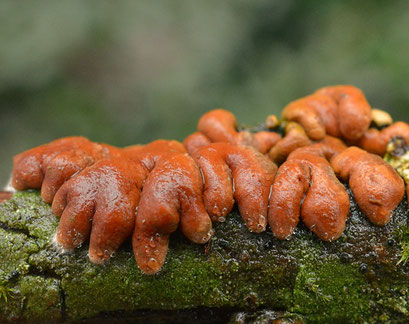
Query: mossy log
238	276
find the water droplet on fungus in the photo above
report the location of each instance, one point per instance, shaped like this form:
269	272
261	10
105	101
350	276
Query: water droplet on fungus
152	242
153	263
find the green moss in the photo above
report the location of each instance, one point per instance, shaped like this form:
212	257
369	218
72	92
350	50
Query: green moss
5	292
187	282
397	155
15	249
41	297
27	212
331	292
402	236
236	269
30	297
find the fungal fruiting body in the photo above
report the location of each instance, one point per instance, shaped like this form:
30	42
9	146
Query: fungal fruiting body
236	173
106	194
101	202
294	138
220	125
146	191
172	194
321	199
306	186
48	166
195	141
375	141
377	188
340	111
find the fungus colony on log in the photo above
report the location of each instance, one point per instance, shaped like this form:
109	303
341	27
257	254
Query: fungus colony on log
106	194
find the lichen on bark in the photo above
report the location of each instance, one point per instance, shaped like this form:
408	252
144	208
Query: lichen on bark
354	279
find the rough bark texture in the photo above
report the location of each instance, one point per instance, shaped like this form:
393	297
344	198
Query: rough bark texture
238	276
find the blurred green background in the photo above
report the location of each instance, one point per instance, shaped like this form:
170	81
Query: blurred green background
132	71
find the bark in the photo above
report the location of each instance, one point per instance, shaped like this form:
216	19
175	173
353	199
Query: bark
238	276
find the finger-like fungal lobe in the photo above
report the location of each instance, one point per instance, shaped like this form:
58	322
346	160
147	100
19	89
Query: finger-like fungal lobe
340	111
195	141
377	187
48	166
316	114
153	152
172	194
220	126
236	173
328	147
375	141
354	111
306	186
294	138
264	141
99	204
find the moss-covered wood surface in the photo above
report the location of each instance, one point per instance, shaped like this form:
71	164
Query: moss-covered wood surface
238	276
